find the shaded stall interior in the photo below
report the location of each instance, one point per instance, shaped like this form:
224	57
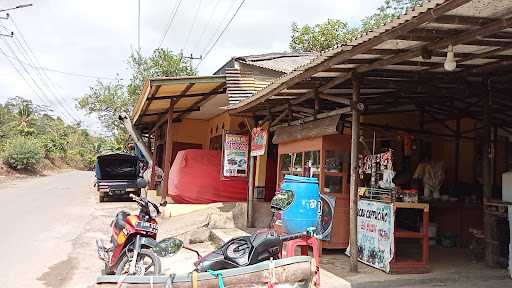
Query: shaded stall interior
395	78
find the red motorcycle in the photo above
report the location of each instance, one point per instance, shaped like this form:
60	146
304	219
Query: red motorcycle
133	239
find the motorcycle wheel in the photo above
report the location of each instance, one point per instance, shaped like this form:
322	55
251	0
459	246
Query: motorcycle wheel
147	260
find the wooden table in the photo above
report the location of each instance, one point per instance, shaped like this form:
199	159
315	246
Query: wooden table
410	266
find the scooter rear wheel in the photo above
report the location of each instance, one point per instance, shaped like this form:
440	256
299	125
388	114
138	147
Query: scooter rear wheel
152	267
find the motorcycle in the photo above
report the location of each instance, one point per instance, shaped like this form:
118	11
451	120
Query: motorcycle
237	252
132	241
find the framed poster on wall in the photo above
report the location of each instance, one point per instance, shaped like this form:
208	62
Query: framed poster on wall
235	155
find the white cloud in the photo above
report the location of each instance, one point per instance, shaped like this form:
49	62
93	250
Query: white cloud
95	37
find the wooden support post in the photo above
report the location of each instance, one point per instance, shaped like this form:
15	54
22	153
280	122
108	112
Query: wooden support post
494	148
457	151
356	90
486	179
250	194
317	104
152	184
168	150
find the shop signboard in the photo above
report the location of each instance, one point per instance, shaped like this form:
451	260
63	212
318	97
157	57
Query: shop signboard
235	153
375	228
258	141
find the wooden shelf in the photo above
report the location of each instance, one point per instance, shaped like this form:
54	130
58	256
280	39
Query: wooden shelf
332	173
401	233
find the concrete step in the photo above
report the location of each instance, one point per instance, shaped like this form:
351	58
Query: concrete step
221	236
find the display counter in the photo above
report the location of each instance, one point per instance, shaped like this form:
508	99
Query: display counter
326	158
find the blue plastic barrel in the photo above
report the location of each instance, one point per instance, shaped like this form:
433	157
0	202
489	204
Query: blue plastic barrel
303	212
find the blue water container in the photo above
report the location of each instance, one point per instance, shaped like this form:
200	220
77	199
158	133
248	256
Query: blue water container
303	212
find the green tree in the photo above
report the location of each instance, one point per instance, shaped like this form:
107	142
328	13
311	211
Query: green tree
108	99
321	37
387	12
332	33
30	137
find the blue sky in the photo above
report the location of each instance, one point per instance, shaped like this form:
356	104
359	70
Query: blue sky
95	37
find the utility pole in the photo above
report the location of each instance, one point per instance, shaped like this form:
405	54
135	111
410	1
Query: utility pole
7	17
192	58
17	7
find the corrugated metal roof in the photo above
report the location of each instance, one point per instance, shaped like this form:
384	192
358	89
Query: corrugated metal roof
321	58
282	62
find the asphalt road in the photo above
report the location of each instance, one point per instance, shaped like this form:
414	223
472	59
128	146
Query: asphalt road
49	227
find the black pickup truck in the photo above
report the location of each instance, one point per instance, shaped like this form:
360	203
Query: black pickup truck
116	175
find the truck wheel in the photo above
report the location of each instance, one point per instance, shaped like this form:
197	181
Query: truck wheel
101	198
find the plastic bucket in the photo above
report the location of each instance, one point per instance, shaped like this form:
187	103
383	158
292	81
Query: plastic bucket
303	211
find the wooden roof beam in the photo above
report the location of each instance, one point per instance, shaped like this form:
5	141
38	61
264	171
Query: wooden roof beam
152	94
191	95
436	53
488	29
477	56
292	78
198	103
163	118
462	20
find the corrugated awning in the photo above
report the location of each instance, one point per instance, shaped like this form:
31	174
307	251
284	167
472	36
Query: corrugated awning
198	97
400	66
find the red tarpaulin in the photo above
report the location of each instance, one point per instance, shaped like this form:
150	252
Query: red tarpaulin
195	178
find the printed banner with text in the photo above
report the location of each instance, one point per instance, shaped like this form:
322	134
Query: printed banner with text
235	155
375	228
258	141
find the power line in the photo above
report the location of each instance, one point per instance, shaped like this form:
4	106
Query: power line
193	24
206	25
171	21
221	33
218	27
33	60
64	72
29	84
26	55
29	55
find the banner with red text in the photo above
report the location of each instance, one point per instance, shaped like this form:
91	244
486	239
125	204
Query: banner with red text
375	238
235	155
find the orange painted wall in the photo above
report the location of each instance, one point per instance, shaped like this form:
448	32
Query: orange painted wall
191	131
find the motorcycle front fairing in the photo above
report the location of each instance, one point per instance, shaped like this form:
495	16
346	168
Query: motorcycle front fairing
242	251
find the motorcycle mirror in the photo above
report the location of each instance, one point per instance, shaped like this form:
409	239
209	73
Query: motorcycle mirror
282	200
168	247
141	183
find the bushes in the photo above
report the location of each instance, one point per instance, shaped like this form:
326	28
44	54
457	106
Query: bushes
22	153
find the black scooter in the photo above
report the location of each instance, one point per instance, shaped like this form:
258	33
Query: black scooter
247	250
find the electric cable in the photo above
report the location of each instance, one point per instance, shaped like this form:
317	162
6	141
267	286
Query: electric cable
193	24
46	82
207	24
221	33
24	78
43	77
171	21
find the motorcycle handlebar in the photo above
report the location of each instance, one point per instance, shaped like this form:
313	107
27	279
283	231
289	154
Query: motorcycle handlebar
146	202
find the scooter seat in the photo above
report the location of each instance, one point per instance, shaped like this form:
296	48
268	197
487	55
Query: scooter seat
120	221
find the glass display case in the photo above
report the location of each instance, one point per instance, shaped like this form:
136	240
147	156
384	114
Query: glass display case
326	158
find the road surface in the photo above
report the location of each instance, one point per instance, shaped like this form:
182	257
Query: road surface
49	229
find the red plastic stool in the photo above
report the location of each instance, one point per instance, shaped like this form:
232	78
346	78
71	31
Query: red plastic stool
304	243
